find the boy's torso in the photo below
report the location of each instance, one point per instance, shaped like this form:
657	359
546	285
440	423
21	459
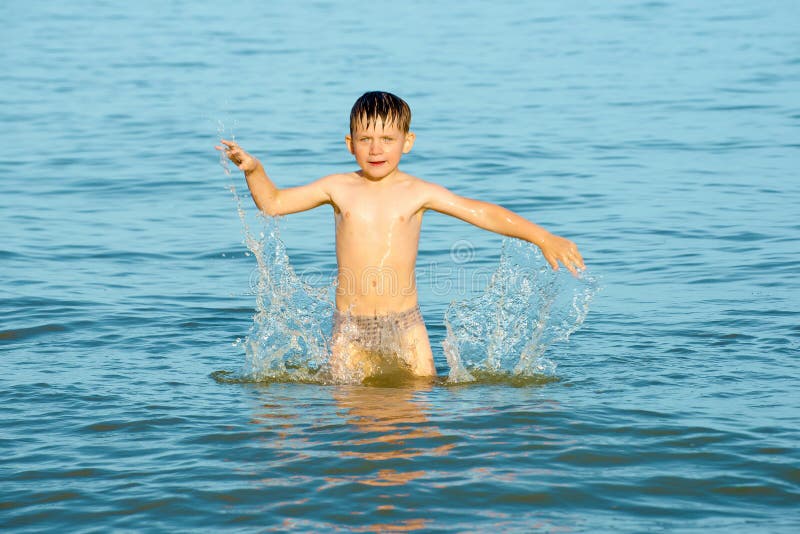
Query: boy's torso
377	237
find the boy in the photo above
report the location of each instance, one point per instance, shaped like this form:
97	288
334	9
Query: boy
378	212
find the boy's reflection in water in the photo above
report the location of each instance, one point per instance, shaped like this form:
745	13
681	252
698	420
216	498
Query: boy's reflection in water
389	420
387	438
390	431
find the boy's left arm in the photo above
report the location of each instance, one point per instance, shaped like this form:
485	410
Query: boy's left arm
500	220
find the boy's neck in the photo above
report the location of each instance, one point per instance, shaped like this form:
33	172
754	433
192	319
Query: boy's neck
382	179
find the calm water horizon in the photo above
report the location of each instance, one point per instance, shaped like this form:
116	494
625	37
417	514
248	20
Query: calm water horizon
661	136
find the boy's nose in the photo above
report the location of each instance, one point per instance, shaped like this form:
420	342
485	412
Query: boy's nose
375	147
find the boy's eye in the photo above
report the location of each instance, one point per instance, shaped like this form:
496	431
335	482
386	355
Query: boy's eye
388	139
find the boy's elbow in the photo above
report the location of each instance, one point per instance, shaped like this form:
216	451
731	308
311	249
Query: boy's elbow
269	206
270	212
272	209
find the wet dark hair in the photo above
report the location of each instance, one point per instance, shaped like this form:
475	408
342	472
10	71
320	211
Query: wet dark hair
374	105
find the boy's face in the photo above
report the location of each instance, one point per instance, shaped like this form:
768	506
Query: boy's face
378	149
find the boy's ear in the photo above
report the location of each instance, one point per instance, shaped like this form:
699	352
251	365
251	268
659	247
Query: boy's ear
348	140
409	142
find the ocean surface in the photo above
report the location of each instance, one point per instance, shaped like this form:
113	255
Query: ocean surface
662	136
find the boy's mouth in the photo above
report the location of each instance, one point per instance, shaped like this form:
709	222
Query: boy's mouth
376	163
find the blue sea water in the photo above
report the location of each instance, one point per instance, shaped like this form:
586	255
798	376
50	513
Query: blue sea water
662	136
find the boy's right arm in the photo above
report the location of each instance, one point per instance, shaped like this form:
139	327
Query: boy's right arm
498	219
266	195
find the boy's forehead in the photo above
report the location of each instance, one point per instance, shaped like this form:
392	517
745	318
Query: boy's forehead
375	124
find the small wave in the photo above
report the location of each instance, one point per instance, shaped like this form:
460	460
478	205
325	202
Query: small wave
23	333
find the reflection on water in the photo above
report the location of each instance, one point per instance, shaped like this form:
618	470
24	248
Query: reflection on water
390	427
390	417
372	447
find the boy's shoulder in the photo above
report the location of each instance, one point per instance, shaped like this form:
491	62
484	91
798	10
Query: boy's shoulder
423	192
339	178
418	184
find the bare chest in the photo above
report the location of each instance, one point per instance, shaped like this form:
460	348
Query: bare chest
376	211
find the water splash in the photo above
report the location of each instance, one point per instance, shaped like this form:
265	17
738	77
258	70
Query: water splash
501	336
525	308
288	339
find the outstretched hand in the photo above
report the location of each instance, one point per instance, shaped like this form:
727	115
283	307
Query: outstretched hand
556	249
238	156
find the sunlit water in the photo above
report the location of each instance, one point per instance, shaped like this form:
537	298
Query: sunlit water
661	136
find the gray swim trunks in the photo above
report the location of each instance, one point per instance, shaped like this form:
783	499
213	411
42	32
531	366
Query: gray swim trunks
375	331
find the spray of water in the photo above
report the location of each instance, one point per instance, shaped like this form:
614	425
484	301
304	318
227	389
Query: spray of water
525	308
288	338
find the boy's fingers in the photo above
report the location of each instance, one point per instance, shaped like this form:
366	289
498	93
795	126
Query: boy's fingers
572	269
